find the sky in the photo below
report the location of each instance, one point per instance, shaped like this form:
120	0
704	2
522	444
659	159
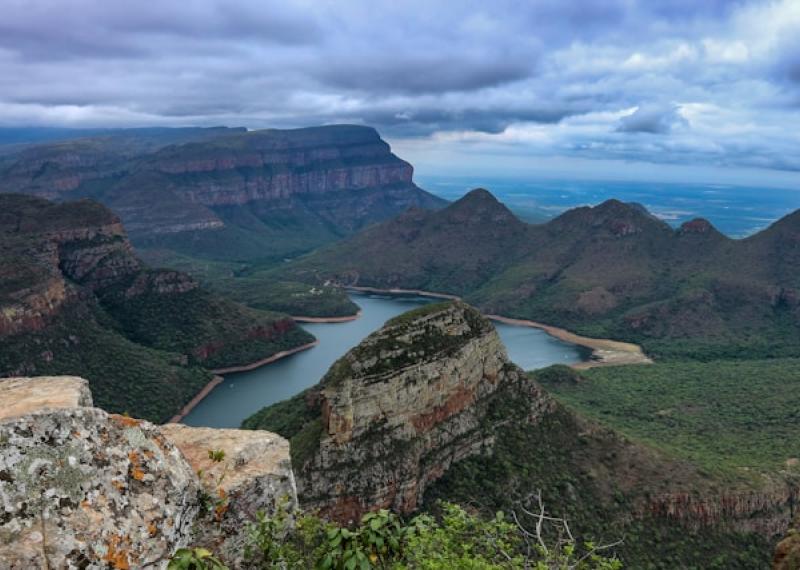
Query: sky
682	90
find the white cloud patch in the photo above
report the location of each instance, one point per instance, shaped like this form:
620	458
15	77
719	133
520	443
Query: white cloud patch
658	81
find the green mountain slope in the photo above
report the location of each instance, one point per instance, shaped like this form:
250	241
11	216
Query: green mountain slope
609	270
74	299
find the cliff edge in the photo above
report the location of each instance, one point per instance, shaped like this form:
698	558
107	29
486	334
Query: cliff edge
81	488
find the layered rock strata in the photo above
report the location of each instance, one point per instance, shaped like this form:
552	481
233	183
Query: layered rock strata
401	407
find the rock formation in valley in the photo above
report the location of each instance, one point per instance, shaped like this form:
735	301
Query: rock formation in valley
81	488
404	405
429	407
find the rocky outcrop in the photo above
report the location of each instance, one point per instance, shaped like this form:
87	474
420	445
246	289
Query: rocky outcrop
401	407
161	190
763	511
254	476
80	488
787	553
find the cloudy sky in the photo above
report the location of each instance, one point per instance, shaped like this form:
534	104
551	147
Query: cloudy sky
676	89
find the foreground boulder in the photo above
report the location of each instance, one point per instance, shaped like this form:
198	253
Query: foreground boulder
81	488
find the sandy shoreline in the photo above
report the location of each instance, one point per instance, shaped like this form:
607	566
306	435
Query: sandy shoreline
268	360
605	352
218	379
348	318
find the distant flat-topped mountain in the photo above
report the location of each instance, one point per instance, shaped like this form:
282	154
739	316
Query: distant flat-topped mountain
224	203
613	269
74	299
225	193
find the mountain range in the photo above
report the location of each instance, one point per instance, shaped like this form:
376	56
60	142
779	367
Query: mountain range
222	203
611	270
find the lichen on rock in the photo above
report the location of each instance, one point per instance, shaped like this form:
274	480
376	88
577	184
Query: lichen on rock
81	488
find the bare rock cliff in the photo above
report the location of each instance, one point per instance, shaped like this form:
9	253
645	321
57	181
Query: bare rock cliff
80	488
404	405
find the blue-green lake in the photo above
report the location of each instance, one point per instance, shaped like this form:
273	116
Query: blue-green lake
244	393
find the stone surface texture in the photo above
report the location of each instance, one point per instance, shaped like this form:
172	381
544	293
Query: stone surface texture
81	488
401	407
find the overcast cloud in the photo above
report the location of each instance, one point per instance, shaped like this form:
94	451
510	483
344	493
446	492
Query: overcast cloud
683	82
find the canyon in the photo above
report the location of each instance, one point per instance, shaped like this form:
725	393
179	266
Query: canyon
429	407
75	298
301	187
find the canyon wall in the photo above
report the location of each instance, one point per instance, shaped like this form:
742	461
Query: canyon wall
228	178
75	298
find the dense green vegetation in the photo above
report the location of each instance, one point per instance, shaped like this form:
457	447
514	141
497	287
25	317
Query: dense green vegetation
293	298
733	418
611	271
212	331
455	539
583	473
124	377
74	299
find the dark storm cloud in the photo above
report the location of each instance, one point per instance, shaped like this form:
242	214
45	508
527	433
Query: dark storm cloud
580	76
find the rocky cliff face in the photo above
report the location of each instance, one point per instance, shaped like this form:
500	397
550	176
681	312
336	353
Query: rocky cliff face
80	488
399	409
225	178
73	295
47	249
787	553
275	165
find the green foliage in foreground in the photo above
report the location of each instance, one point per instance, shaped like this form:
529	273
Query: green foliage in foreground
733	418
382	540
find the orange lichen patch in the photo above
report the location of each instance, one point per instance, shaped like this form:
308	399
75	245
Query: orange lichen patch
222	504
85	504
125	420
152	529
136	470
118	485
117	555
76	434
148	454
457	402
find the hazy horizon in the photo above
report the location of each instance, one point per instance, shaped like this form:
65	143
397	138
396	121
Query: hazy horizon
667	90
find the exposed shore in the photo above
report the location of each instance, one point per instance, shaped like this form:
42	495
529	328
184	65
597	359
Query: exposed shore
218	379
348	318
268	360
605	352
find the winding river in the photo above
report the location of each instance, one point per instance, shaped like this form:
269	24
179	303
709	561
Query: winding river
244	393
